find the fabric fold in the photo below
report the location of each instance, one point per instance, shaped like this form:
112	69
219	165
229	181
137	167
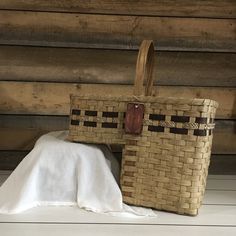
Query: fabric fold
58	172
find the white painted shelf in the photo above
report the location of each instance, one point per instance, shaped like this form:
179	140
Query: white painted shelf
217	216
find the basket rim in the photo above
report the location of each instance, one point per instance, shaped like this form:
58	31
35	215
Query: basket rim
148	99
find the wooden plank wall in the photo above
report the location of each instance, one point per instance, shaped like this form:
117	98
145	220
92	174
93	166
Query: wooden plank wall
49	49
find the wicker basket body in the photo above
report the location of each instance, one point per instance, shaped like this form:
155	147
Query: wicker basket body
165	166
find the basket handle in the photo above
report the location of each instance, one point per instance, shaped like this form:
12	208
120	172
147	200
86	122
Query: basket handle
144	68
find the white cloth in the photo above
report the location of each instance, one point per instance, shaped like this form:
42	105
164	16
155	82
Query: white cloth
58	172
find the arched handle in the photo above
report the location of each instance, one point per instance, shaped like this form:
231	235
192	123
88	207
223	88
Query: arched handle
144	68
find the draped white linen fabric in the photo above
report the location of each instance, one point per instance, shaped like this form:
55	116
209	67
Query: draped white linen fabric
58	172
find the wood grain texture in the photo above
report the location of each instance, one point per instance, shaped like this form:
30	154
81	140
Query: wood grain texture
20	132
114	66
197	8
223	165
20	139
120	32
9	160
224	141
53	98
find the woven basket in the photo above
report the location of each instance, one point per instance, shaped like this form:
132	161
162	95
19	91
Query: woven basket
167	141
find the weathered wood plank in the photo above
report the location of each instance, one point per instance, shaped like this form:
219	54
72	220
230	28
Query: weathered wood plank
20	139
53	98
20	132
223	165
9	160
43	123
114	66
113	31
197	8
224	141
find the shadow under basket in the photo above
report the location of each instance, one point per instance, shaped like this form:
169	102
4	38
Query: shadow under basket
166	141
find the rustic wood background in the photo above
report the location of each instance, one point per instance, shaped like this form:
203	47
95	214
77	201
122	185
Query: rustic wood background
49	49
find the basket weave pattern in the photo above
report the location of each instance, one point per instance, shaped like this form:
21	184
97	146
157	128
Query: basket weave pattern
165	169
166	165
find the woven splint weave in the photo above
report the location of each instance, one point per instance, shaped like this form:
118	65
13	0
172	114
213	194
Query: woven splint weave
165	159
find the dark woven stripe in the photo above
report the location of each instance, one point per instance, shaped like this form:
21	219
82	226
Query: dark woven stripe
180	119
130	163
197	132
178	131
90	123
131	142
128	184
91	113
127	194
129	173
109	125
157	117
201	120
74	122
200	132
130	153
155	128
109	114
75	112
